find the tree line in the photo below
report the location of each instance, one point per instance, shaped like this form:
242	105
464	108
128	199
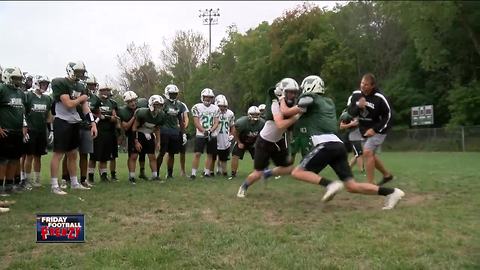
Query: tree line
421	53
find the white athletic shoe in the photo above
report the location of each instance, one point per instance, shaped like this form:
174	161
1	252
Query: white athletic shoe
58	191
87	184
392	199
63	184
36	183
332	189
79	186
241	192
4	209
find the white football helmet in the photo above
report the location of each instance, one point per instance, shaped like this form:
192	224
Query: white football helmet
253	113
278	90
91	80
221	100
76	70
39	79
262	107
288	84
129	96
104	91
155	100
171	89
313	84
12	76
207	92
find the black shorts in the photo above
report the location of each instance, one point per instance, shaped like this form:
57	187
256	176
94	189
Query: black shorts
211	145
357	148
66	136
330	153
37	144
223	155
10	146
103	147
265	150
115	145
170	143
241	152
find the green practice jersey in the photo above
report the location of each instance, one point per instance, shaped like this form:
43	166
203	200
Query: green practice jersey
12	107
248	130
148	122
37	108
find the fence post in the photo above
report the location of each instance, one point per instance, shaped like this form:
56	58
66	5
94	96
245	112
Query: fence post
463	138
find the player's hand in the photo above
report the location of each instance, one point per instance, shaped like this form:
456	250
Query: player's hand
138	146
114	119
3	133
362	103
26	137
369	133
230	138
240	145
354	123
93	130
206	133
82	98
50	137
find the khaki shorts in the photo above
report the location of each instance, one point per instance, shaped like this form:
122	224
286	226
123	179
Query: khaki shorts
374	142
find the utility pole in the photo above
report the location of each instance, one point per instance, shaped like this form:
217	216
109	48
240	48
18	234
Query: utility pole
209	17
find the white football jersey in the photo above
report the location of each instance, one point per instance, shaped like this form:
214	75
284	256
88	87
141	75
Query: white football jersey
226	120
206	115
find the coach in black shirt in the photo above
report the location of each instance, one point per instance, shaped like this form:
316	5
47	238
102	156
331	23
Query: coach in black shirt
375	119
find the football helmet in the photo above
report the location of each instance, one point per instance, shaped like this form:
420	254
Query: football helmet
221	100
41	79
313	84
155	100
12	76
171	92
76	70
129	96
207	92
253	113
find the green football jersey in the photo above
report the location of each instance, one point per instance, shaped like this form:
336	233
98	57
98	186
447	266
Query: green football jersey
248	130
61	86
147	121
106	108
125	114
37	108
320	117
12	107
173	112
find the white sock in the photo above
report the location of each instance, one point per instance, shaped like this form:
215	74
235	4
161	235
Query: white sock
131	174
91	170
74	181
207	171
154	174
54	182
102	171
22	175
37	176
194	171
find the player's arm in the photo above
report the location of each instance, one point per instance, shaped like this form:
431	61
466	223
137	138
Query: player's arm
129	124
72	103
198	125
280	121
216	121
157	138
185	120
89	116
288	112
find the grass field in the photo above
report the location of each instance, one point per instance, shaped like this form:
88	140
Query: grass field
280	225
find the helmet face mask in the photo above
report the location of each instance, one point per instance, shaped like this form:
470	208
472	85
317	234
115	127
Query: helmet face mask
171	92
104	93
130	98
290	90
41	83
13	77
222	103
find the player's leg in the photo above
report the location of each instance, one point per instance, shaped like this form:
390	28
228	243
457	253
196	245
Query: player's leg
260	163
199	147
163	149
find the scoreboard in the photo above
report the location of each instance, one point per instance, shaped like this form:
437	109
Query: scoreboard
422	115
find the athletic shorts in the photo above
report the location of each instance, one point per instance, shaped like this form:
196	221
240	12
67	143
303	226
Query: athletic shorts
10	146
66	136
241	152
372	143
265	150
37	144
102	147
201	143
86	141
170	143
223	154
357	148
329	153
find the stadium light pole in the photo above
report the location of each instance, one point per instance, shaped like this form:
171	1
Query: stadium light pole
209	17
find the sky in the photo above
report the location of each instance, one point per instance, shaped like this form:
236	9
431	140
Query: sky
42	37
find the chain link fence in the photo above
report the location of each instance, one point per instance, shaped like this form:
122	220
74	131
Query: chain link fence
466	139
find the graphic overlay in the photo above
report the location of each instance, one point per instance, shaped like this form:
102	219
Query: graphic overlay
60	228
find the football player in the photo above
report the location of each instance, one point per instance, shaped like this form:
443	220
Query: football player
223	132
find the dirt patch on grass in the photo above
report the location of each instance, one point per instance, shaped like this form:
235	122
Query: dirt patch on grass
272	218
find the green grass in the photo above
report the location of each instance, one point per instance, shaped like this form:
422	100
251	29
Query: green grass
280	225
